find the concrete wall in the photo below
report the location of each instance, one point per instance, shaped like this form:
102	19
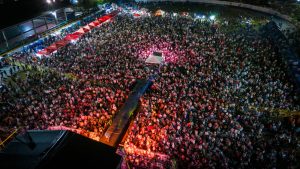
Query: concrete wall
234	4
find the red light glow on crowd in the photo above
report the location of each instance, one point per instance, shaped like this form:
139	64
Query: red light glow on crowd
170	55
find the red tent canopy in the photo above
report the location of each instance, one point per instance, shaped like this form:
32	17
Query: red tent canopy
50	50
96	23
76	34
43	52
86	28
79	32
52	47
71	37
102	19
61	43
107	17
92	25
68	38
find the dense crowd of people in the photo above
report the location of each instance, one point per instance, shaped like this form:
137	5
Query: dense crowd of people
203	110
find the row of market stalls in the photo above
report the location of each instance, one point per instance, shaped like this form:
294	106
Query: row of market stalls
75	35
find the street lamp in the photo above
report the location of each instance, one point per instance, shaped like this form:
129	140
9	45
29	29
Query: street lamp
50	1
74	2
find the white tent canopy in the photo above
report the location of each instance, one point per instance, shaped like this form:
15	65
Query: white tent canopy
155	58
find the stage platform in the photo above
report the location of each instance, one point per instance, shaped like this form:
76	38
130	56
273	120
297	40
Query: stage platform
57	149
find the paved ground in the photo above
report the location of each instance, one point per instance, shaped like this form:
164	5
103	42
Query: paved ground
8	71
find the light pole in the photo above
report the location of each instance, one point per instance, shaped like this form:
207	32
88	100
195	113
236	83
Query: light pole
50	2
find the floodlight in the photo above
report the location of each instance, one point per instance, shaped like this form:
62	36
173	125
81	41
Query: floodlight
212	17
54	13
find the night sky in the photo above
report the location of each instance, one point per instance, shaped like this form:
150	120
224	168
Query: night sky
15	11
